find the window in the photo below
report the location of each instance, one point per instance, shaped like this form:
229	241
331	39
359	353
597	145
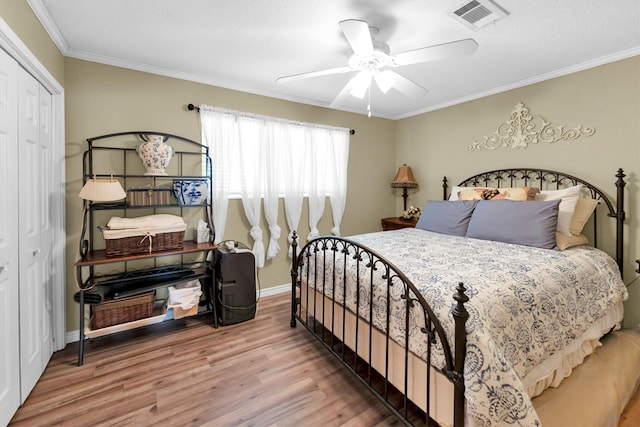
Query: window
258	157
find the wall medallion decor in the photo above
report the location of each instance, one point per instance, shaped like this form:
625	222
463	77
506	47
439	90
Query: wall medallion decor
523	129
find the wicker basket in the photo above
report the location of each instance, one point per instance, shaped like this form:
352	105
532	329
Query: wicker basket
145	244
179	313
150	196
123	310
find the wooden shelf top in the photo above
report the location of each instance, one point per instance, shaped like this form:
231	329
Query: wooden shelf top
100	256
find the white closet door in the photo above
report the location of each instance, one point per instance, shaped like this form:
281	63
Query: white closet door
34	164
45	140
9	333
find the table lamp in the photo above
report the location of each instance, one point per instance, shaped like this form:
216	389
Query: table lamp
404	179
97	190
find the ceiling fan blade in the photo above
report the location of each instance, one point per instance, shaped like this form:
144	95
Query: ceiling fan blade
358	35
293	77
407	87
436	52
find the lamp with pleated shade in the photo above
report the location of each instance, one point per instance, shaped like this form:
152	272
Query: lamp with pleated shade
97	190
404	179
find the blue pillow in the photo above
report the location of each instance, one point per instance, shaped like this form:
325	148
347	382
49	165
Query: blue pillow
447	217
531	223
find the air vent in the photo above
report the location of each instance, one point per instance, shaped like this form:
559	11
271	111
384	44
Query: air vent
478	13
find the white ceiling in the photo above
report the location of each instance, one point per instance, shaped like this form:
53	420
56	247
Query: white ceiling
247	44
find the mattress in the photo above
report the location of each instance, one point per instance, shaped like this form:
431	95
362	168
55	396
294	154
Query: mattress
563	302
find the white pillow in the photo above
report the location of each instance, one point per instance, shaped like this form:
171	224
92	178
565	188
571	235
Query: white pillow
569	198
566	210
576	190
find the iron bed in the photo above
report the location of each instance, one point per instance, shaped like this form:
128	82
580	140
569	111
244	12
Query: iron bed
389	367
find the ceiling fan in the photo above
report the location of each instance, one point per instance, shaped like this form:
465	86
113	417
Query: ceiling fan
373	61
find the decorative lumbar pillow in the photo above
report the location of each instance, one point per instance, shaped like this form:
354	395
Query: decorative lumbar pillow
582	213
524	223
447	217
455	190
510	193
565	242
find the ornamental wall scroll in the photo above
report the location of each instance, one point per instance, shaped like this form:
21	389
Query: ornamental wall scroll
523	129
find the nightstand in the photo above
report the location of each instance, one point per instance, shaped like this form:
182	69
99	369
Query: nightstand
395	223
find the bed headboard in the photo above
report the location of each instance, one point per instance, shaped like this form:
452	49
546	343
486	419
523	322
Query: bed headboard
545	179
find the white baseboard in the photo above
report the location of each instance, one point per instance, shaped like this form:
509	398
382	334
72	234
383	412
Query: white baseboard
73	336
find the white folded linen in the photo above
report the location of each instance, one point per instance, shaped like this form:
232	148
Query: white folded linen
129	232
145	222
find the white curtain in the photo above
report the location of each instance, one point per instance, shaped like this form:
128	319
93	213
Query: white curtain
293	182
317	173
259	157
219	133
337	175
251	170
274	140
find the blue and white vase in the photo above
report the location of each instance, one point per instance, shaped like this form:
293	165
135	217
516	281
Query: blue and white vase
190	191
154	153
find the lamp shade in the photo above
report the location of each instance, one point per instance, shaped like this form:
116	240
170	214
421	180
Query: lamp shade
102	190
404	178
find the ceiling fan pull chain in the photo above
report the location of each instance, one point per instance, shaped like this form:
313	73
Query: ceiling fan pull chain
369	102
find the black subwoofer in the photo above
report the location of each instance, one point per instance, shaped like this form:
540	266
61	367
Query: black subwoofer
235	285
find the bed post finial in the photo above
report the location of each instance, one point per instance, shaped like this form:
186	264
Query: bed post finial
294	276
620	217
460	316
444	188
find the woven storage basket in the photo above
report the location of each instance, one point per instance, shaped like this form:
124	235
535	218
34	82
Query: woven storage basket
150	196
140	244
123	310
179	313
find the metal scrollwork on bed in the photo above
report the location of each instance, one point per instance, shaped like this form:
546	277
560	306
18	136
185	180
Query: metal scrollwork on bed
547	180
338	308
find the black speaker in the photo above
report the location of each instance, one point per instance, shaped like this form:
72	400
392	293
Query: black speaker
235	286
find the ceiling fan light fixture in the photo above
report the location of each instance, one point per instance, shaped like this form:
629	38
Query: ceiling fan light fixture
385	80
361	83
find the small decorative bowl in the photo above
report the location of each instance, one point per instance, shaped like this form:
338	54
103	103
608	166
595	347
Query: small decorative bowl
190	191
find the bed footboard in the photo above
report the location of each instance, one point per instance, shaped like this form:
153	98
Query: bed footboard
337	307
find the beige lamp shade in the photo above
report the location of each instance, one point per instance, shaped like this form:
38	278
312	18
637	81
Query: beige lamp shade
102	190
404	178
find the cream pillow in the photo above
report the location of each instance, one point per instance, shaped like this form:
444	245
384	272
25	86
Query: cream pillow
583	210
565	242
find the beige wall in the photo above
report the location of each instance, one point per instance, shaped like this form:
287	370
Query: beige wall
20	17
102	99
606	98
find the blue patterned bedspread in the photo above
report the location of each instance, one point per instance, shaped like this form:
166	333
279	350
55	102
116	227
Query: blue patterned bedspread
525	304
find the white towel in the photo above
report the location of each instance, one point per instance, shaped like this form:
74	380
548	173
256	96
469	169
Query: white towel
129	232
146	222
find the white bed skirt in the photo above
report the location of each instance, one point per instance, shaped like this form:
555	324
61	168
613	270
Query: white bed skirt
594	395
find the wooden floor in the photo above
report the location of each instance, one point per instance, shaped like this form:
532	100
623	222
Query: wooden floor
256	373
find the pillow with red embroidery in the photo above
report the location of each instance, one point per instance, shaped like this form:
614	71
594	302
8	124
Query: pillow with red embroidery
509	193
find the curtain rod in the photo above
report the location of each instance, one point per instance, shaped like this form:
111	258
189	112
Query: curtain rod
192	107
